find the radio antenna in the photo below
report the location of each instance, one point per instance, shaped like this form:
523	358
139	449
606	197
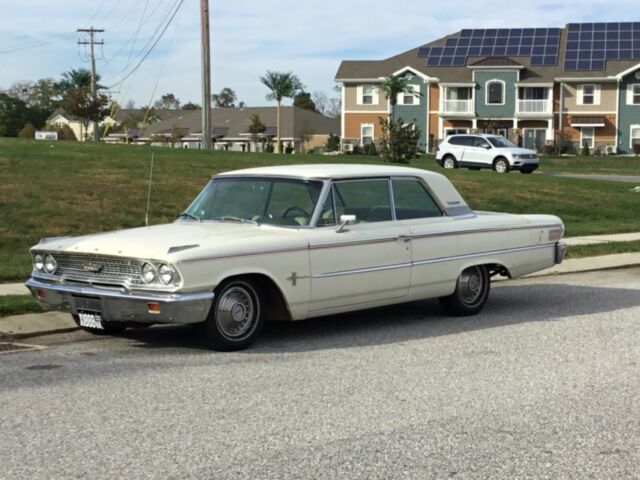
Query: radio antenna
146	216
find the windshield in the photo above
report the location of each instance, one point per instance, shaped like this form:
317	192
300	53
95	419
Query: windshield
273	201
500	142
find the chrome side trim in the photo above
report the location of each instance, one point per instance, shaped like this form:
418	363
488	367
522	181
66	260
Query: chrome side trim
431	261
246	254
363	270
484	230
482	254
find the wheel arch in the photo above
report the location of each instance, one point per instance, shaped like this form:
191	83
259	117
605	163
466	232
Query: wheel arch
494	267
500	156
277	307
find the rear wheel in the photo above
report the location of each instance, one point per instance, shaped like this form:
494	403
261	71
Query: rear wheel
108	328
501	165
471	293
236	318
449	162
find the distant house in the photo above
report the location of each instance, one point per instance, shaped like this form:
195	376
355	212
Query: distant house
230	129
110	124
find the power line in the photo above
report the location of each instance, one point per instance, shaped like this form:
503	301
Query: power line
144	57
37	43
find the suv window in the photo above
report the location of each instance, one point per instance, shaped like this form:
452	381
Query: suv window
413	201
368	200
480	142
463	140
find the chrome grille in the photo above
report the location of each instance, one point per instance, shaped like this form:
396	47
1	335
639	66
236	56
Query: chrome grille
98	268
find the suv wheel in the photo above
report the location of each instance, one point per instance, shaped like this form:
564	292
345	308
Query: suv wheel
501	165
449	162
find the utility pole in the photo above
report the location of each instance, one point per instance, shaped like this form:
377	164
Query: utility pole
206	75
92	31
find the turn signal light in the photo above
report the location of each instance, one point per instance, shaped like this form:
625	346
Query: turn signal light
41	293
153	308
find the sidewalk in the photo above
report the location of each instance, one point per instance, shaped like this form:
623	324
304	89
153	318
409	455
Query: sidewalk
593	239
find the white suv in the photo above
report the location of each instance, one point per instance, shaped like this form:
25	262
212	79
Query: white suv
485	151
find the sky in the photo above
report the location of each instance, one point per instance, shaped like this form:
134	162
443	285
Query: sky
249	37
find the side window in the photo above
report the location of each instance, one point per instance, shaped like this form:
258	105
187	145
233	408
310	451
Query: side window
368	200
480	142
413	201
455	140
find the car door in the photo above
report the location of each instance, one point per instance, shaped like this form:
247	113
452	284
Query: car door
364	264
480	152
456	147
434	250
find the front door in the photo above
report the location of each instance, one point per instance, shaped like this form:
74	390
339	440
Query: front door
362	264
534	138
479	153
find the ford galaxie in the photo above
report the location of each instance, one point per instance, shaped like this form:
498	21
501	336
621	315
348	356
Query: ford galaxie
290	243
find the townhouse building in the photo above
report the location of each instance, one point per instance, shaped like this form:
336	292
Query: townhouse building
580	83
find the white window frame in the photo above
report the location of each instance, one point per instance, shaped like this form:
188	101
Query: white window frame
584	137
402	97
455	131
631	137
630	93
374	95
373	133
595	94
486	92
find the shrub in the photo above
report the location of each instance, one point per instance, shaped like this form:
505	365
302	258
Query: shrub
356	150
564	143
549	150
370	149
597	152
399	142
636	149
289	149
333	143
585	150
28	131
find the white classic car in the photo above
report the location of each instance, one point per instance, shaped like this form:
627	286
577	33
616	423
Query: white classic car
290	243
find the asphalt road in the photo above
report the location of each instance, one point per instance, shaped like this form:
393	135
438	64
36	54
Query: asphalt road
544	384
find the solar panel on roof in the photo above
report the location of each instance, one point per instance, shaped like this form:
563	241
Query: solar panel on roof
590	45
541	44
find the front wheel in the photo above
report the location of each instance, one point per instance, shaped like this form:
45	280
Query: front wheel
501	165
471	293
236	318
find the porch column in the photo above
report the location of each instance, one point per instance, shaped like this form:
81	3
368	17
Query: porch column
474	123
549	135
515	123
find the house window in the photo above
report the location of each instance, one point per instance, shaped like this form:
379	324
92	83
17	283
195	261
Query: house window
366	133
495	92
587	135
368	94
633	97
455	131
589	95
635	135
412	98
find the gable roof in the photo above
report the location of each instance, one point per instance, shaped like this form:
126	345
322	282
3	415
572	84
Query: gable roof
495	62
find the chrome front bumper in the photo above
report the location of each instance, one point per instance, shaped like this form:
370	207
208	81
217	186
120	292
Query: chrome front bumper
561	251
121	305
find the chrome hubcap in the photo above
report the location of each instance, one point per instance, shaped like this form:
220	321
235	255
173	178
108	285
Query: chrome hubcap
448	163
236	312
471	285
501	167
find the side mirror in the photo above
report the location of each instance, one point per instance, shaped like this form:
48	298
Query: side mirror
344	221
486	146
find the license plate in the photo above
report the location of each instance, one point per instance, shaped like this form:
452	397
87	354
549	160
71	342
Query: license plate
90	320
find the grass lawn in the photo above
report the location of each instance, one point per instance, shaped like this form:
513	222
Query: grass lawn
581	251
603	165
17	305
60	188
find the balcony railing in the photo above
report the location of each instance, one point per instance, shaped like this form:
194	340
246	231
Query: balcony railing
534	106
457	106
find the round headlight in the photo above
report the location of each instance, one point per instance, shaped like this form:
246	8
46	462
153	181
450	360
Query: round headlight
166	273
50	264
148	273
38	262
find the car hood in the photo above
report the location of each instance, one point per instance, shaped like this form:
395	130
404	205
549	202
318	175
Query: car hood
519	151
172	241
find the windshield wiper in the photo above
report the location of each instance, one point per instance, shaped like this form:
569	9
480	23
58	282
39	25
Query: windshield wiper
231	218
190	215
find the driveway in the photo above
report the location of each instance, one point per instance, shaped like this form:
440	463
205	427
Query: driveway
545	383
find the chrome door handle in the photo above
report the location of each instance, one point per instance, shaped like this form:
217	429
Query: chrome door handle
404	238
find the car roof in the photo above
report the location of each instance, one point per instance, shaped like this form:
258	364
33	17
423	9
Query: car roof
333	170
